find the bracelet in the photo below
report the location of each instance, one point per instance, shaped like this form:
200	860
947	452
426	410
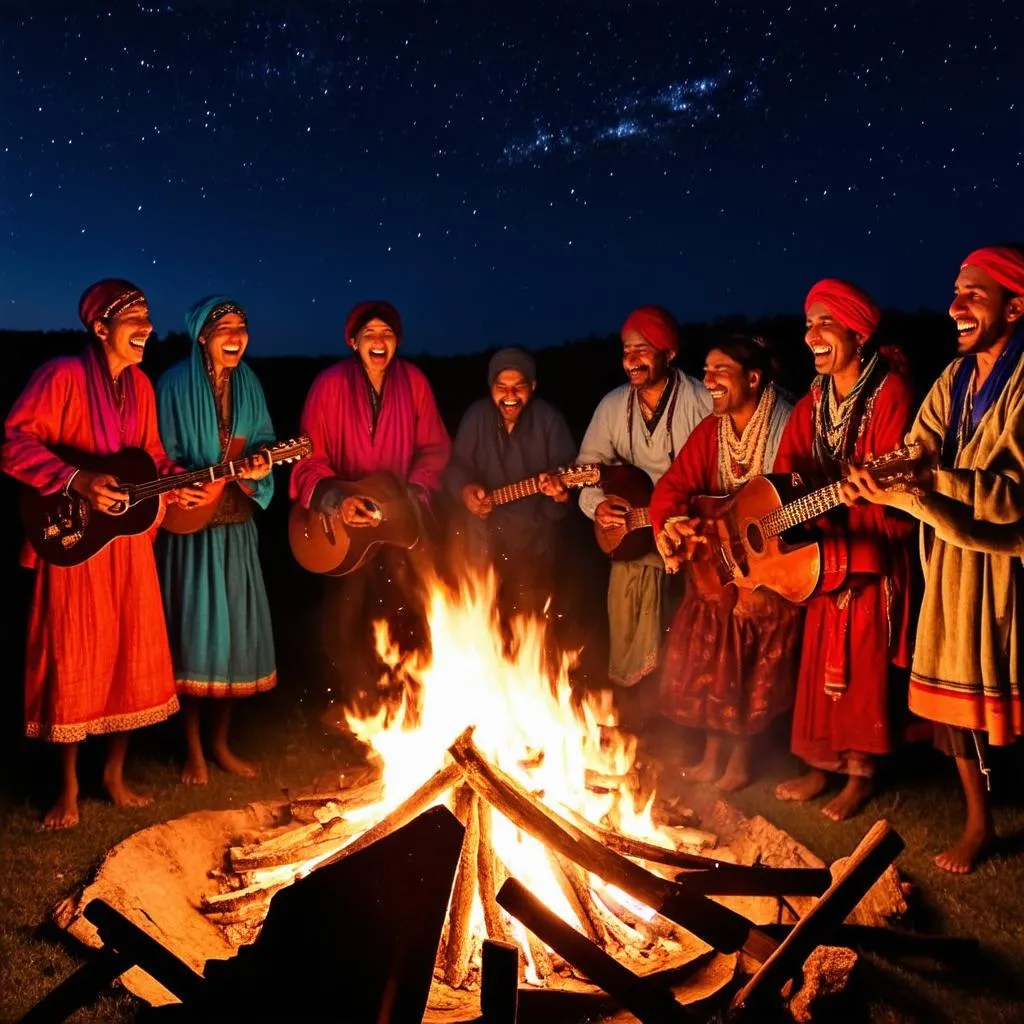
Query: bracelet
67	483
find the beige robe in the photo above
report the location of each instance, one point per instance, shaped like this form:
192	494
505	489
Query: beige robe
969	656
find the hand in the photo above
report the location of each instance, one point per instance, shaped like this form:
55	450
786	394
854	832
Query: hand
553	487
474	497
678	539
611	513
191	497
101	490
261	465
359	512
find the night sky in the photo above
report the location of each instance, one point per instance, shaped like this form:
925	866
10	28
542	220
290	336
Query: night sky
504	172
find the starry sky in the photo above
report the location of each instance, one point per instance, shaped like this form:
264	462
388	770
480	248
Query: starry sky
519	172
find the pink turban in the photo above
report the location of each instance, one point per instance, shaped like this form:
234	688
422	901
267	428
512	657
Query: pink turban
374	309
657	326
853	308
105	299
1004	265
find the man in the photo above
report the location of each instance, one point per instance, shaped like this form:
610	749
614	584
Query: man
856	629
969	658
368	413
218	616
509	437
645	423
97	659
730	660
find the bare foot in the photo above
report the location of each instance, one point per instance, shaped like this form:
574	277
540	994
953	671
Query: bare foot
123	796
64	813
734	779
851	799
234	765
803	787
705	771
967	852
195	772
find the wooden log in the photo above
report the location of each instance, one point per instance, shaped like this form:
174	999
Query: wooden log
299	835
436	786
499	982
572	881
717	925
80	988
875	852
459	947
240	899
486	879
327	841
646	999
353	796
651	931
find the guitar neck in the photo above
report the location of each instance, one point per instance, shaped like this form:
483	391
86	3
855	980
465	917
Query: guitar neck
803	509
516	491
638	518
150	489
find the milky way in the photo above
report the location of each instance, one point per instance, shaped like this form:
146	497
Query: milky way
504	172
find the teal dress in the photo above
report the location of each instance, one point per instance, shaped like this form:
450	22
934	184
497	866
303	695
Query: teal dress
215	601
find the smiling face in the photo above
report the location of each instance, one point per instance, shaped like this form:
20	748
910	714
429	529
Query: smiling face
644	364
835	347
984	313
124	337
375	344
510	391
225	340
732	389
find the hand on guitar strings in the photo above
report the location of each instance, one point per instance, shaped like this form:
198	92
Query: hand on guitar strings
677	541
611	513
191	497
552	487
475	498
357	511
101	490
260	465
861	484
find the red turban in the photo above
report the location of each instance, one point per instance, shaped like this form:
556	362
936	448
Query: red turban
1004	265
374	309
853	308
105	299
657	326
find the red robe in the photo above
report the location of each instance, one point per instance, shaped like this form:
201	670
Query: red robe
860	624
97	658
730	659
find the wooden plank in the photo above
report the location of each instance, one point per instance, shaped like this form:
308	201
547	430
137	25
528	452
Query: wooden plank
499	983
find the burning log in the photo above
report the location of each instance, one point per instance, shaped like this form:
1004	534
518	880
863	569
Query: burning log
322	839
459	944
572	880
487	880
722	928
651	1003
651	931
238	900
310	807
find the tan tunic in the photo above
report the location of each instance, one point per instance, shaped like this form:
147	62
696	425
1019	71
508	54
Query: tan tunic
969	656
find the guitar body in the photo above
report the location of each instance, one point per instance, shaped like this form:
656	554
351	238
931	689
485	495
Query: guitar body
179	519
738	551
67	530
633	488
324	544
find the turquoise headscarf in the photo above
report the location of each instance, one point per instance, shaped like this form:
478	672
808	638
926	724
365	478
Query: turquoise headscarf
188	415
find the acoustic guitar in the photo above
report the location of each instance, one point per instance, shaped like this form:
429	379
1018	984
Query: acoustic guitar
323	544
66	530
583	475
743	532
631	489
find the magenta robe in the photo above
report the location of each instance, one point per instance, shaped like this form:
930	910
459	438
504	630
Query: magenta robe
97	658
410	440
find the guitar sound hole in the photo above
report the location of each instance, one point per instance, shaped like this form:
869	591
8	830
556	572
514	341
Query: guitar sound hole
755	538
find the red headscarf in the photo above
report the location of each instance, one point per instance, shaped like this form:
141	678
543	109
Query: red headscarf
374	309
657	326
1004	265
853	308
105	299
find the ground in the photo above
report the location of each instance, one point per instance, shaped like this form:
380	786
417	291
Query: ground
919	798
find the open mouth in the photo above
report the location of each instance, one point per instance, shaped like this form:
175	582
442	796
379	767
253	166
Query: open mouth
137	343
232	350
510	406
820	351
966	325
717	393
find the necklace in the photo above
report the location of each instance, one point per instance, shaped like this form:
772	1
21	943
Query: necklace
742	456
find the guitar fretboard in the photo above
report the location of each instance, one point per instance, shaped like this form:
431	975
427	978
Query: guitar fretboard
801	510
637	519
516	491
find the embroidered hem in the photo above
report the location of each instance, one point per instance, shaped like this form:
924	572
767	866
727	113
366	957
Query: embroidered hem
649	664
220	689
75	732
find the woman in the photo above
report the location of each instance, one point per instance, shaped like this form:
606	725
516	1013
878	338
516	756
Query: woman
215	602
857	409
729	662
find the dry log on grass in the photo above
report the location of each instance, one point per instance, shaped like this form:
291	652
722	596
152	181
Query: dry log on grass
459	943
726	930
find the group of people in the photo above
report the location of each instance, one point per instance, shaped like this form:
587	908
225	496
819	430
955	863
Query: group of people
115	642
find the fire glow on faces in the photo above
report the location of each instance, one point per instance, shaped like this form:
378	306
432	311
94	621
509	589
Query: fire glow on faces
644	364
376	345
226	340
511	391
124	337
982	310
730	386
833	345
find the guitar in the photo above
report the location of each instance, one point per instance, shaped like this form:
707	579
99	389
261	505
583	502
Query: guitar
631	488
323	544
570	476
66	530
743	531
179	519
